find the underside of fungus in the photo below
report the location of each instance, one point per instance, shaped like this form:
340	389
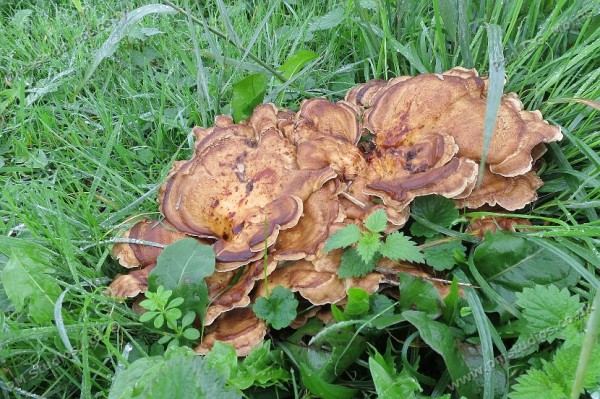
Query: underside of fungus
282	182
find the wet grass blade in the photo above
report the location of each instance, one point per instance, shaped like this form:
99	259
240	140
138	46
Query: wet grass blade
495	89
123	28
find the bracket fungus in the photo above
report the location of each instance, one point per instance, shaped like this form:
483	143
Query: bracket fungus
282	182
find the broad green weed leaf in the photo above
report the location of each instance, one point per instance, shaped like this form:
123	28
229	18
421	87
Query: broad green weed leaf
263	367
247	94
376	221
399	247
510	263
441	257
223	359
358	302
419	294
29	286
330	352
322	389
390	384
296	62
436	209
279	309
121	30
546	308
444	340
342	238
183	262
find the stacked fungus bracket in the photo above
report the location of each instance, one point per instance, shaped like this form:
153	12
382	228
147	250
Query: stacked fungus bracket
286	181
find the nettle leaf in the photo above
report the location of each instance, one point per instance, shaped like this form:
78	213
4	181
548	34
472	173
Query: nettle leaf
247	94
279	309
556	377
368	245
419	294
441	257
181	373
296	62
184	262
26	278
510	263
343	238
399	247
376	221
436	209
545	308
352	264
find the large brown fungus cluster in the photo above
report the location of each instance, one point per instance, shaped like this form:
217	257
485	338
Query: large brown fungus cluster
286	181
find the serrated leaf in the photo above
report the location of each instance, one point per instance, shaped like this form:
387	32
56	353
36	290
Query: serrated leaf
296	62
376	221
368	245
247	94
530	385
545	308
436	209
441	257
342	238
510	263
29	286
399	247
358	302
279	309
352	265
556	377
183	262
181	373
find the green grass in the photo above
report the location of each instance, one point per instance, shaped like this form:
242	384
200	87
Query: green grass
79	159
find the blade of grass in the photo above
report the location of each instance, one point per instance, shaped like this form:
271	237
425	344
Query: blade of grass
121	30
495	90
268	67
590	340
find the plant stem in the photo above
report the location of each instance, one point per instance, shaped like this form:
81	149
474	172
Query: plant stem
588	346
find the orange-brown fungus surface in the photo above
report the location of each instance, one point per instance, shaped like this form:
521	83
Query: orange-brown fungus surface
267	192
